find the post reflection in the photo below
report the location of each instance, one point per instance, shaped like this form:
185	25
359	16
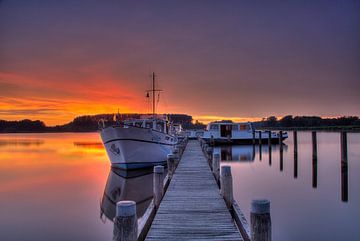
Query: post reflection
314	160
295	155
344	167
127	185
269	146
242	153
281	152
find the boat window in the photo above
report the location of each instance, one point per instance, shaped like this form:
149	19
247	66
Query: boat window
148	124
244	127
214	127
235	127
160	126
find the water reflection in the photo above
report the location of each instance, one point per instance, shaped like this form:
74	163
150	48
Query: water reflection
344	167
314	160
295	154
21	142
281	157
88	145
133	185
242	153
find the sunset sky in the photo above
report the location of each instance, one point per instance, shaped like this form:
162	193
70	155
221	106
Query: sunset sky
214	59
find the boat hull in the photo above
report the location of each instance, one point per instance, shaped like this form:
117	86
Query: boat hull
131	147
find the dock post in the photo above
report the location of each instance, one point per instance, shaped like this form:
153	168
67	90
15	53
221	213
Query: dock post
253	136
295	154
209	151
125	221
314	159
226	185
281	151
158	187
344	167
314	145
260	141
171	163
269	145
260	146
260	220
216	166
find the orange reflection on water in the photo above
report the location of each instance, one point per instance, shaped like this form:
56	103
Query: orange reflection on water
40	160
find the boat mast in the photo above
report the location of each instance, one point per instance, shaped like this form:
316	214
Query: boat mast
153	93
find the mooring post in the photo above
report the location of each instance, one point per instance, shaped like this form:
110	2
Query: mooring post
314	145
158	187
295	154
281	151
260	141
314	160
216	166
125	222
295	142
171	163
226	185
253	136
260	220
176	152
344	167
269	145
280	137
209	151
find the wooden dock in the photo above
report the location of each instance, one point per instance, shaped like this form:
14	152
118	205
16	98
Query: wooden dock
192	207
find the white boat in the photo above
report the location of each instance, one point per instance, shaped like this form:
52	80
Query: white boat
228	132
139	143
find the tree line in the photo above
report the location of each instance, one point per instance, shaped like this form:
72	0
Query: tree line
88	123
310	122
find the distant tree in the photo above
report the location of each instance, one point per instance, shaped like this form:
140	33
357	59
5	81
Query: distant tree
286	121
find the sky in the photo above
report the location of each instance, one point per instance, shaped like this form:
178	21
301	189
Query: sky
239	60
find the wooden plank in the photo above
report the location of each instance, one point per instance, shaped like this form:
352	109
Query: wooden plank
192	208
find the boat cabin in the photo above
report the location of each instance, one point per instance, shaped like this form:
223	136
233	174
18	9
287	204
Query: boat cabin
155	124
226	129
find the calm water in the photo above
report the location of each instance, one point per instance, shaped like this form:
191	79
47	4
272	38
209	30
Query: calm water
60	187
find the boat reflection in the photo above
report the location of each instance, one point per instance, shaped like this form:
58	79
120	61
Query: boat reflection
135	185
242	153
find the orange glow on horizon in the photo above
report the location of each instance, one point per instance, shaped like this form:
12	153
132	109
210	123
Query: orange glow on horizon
206	119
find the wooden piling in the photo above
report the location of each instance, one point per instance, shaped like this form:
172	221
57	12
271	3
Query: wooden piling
295	142
216	166
253	137
269	146
226	185
260	141
171	164
158	186
314	160
125	222
344	167
281	150
260	220
314	145
295	154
